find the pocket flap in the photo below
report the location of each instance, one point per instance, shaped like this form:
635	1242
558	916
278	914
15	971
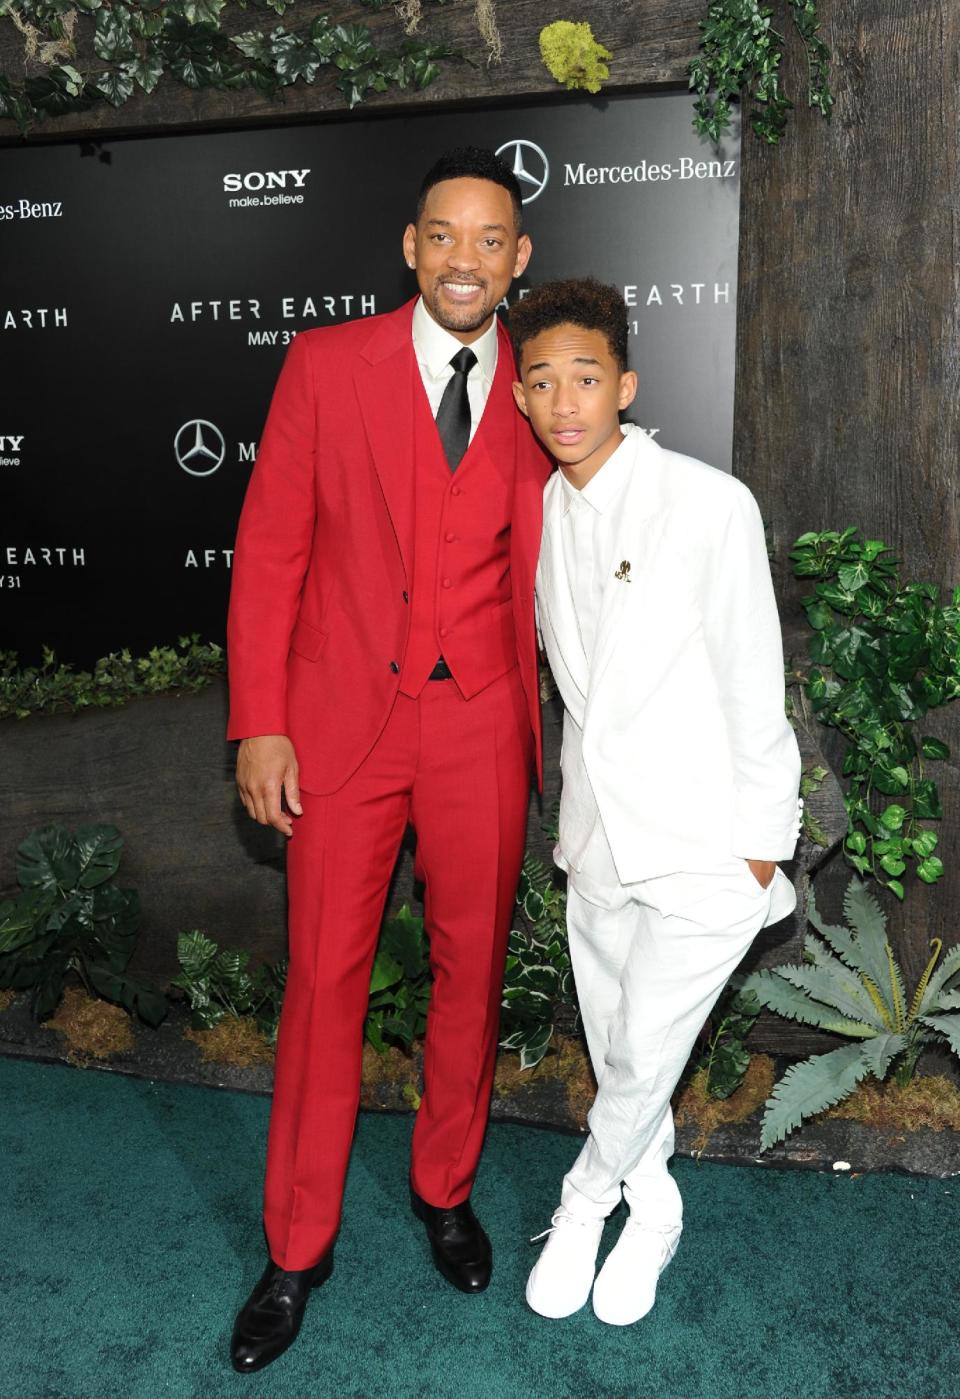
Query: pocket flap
307	640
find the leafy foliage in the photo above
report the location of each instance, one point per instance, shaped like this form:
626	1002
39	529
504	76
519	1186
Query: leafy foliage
742	55
811	781
850	984
884	653
538	977
399	984
54	687
572	55
217	984
135	44
726	1057
70	918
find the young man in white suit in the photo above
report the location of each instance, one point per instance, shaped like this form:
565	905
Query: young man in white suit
680	771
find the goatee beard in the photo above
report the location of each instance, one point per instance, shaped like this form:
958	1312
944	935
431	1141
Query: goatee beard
468	319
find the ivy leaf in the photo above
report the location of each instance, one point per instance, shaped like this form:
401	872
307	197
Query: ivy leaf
933	748
925	843
112	39
202	11
254	45
116	86
146	71
930	869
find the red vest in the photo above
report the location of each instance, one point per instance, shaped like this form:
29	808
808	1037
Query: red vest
461	595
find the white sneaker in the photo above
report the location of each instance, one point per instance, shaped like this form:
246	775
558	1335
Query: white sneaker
562	1276
626	1286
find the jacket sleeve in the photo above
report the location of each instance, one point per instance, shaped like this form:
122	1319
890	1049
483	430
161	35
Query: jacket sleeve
743	638
272	552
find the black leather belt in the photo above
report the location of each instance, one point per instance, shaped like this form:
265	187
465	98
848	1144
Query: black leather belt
441	671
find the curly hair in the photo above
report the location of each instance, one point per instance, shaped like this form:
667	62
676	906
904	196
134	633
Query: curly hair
580	301
474	163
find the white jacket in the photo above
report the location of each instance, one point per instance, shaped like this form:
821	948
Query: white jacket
676	734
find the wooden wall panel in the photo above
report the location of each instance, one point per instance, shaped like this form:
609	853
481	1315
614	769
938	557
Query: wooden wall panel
848	356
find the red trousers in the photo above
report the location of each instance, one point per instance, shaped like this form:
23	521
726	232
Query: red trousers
459	772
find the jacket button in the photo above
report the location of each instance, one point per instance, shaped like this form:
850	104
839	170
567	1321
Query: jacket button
444	631
449	538
394	667
447	583
406	596
454	490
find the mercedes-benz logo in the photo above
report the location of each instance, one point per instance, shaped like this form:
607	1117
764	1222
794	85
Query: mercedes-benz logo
530	165
199	447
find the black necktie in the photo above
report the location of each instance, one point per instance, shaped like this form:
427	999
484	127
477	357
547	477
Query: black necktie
453	415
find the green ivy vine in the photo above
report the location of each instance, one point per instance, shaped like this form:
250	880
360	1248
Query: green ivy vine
884	652
742	56
135	42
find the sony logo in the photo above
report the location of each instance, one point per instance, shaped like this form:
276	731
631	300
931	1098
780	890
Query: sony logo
265	179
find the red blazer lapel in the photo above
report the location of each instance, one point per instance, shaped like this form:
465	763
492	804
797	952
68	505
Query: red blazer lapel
386	379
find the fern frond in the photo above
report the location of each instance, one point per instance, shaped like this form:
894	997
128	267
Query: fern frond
835	985
873	991
878	1052
937	945
778	995
898	993
839	938
947	970
869	922
946	1025
810	1087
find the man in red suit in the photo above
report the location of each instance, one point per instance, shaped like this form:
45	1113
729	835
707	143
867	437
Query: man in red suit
383	671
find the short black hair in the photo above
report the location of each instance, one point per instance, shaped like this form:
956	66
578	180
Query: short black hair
580	301
472	163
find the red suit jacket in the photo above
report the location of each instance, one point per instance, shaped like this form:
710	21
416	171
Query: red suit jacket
323	566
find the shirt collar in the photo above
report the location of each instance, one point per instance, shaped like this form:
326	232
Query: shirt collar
435	347
604	490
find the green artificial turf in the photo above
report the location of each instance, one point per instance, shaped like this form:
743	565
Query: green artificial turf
129	1236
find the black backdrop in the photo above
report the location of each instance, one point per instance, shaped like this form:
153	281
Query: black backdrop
148	287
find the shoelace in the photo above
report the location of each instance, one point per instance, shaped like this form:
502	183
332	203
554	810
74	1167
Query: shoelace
562	1216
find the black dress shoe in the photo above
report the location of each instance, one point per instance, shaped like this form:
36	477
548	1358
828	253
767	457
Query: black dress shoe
461	1250
270	1319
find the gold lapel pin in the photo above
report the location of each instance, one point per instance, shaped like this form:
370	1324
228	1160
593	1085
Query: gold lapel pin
623	572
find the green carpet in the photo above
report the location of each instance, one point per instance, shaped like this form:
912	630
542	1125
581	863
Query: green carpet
129	1236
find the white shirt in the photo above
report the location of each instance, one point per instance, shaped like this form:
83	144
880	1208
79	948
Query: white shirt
590	519
434	348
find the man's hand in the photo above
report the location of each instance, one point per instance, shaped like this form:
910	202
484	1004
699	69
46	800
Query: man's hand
266	770
763	871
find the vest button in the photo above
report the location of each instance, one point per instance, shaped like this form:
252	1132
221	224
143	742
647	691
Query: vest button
447	583
444	631
394	667
449	538
454	490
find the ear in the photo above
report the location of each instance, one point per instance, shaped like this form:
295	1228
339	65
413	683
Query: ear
410	245
520	398
524	251
628	389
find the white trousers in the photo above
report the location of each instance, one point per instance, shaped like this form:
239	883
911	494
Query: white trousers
650	960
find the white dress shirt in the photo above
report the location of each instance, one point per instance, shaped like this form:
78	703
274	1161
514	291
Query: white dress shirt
434	348
590	520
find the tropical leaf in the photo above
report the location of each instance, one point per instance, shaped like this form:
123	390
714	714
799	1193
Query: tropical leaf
869	922
947	970
22	919
792	1003
830	981
48	859
99	848
946	1025
843	942
879	1051
810	1087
